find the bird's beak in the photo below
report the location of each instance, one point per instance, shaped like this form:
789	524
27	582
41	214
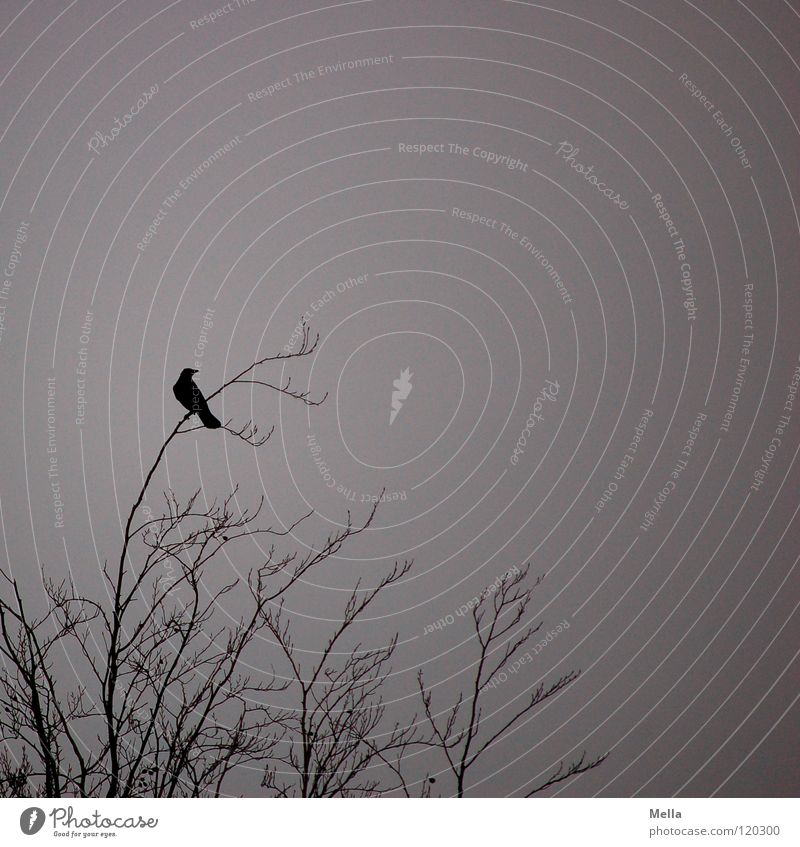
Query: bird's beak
194	371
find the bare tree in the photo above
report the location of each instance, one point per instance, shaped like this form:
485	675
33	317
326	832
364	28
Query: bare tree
333	741
158	687
459	731
164	706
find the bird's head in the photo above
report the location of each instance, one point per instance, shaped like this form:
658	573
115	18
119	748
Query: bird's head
187	373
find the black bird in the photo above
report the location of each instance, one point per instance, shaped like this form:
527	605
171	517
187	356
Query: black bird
191	398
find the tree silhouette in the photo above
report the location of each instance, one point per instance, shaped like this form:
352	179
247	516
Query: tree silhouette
459	732
334	735
165	706
158	688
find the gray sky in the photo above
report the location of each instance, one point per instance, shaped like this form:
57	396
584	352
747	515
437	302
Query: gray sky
585	200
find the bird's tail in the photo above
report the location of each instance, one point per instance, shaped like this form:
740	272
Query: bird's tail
207	419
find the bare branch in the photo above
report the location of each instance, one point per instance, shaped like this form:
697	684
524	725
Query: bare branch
574	769
460	735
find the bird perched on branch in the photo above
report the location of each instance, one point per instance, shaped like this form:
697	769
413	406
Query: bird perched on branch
190	397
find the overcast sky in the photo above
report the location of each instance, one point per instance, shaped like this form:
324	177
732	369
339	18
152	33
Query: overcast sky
574	228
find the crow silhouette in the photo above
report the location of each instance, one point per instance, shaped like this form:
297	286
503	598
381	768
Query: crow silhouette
191	398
